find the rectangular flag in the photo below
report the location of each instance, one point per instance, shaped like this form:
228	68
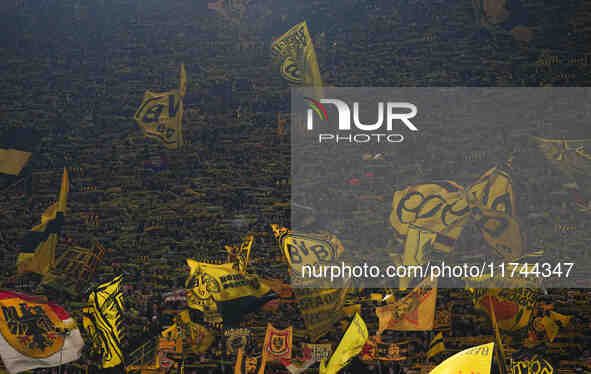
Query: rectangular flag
16	148
234	293
35	333
105	304
294	55
414	312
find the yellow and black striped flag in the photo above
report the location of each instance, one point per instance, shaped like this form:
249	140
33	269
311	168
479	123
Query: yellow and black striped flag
38	245
436	346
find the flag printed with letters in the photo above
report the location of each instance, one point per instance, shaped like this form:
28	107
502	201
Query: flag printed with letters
16	147
235	294
35	333
160	115
38	245
294	55
472	360
414	312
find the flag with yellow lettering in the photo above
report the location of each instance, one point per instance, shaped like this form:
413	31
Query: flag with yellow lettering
278	343
414	312
350	346
533	366
234	293
42	239
293	53
105	304
437	346
160	115
35	333
472	360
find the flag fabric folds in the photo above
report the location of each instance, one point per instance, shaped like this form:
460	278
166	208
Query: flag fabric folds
16	148
38	245
249	364
513	307
278	343
437	346
552	322
35	333
105	322
472	360
235	294
414	312
160	115
197	337
294	55
350	346
439	211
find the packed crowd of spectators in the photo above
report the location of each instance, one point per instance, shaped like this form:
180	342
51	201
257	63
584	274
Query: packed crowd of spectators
77	70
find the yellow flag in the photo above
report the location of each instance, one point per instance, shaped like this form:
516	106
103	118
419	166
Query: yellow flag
472	360
436	346
195	336
513	307
105	304
572	157
249	365
295	56
551	326
350	346
414	312
414	250
42	239
183	84
160	117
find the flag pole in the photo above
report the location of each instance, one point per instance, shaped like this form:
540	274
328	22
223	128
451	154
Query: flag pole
500	357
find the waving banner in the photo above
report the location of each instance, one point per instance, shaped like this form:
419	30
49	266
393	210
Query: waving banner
534	366
36	334
278	343
236	339
472	360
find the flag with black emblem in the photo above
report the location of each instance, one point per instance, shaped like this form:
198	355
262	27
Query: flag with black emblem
235	294
35	333
160	115
105	319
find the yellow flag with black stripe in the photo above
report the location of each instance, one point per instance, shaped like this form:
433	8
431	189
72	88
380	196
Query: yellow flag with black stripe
160	115
105	305
38	245
234	293
294	54
437	346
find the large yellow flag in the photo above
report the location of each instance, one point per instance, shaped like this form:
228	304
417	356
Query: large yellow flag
414	312
513	307
105	304
472	360
350	346
160	115
42	239
443	208
234	293
295	56
321	307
